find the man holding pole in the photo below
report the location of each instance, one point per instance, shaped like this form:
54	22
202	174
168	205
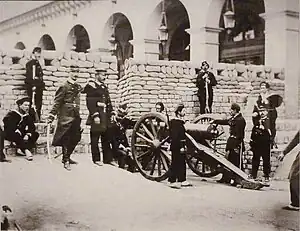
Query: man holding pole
34	82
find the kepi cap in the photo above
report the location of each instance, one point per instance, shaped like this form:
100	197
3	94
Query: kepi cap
22	100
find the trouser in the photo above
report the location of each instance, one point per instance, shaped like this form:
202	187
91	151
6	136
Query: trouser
294	191
21	143
272	119
234	158
178	167
2	156
37	99
70	139
124	159
264	152
202	101
105	143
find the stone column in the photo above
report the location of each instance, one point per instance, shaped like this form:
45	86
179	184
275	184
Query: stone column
282	50
138	49
204	44
152	49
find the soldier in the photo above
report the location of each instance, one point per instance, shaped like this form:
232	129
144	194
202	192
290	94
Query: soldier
264	103
66	107
120	144
205	82
100	108
235	144
34	80
159	107
19	127
260	143
177	178
294	175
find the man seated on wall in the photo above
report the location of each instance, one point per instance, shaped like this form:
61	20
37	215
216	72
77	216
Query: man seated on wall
19	127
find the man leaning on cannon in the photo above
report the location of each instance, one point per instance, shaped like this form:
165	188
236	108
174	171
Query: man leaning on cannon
19	127
235	144
66	107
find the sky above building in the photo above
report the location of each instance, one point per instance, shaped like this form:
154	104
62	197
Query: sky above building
9	9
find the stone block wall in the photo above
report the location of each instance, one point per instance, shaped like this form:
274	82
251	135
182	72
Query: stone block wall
172	82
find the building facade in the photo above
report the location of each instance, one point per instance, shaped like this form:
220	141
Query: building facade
266	32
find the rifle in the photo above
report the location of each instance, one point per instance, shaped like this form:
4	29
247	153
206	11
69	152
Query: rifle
36	116
206	87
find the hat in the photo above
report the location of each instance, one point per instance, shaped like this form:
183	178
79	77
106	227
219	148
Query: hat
179	108
22	100
98	71
235	107
37	49
204	62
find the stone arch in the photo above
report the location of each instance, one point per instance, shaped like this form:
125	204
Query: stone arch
78	39
120	27
46	42
178	21
20	46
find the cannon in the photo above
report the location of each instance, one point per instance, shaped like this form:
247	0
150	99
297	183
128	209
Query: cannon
205	153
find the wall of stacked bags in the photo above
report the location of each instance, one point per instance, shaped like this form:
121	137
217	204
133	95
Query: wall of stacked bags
143	84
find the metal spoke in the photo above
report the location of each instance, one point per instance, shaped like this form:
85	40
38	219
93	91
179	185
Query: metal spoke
143	154
152	127
147	131
153	167
144	138
164	162
142	145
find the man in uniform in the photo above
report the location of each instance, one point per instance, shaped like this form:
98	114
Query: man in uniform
205	82
19	127
100	108
177	177
119	141
66	107
34	81
235	144
2	155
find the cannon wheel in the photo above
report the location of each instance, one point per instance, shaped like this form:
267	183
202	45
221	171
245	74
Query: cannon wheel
196	160
150	146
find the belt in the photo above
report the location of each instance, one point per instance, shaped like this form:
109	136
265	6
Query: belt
72	104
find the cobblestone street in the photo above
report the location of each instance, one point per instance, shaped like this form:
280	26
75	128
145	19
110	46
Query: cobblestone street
44	196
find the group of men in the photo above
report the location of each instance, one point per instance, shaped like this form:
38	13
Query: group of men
109	125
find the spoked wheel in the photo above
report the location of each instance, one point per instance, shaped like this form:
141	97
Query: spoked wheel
150	145
200	163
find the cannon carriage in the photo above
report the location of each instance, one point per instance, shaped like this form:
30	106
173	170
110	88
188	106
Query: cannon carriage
205	152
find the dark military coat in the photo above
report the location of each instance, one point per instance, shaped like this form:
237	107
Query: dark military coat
16	122
38	80
177	134
66	107
99	105
200	83
237	126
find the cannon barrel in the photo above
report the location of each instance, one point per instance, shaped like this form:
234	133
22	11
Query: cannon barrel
201	132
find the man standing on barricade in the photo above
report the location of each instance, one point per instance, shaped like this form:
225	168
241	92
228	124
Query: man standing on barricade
34	81
66	107
235	142
100	108
205	82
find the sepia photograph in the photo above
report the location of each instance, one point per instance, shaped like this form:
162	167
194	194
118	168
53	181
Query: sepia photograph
150	115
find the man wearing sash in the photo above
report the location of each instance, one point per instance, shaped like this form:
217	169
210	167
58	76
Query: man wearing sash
34	81
205	82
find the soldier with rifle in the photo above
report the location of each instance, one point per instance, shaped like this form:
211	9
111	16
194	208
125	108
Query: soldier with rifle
205	82
66	107
34	83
